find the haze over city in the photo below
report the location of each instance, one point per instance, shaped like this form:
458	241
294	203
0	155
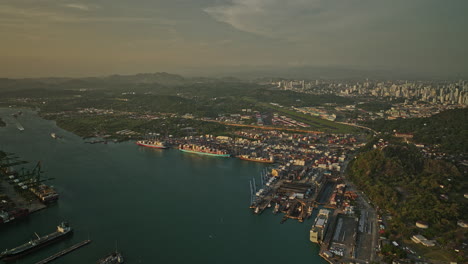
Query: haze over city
207	37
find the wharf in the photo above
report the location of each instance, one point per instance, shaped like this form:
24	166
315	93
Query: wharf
32	204
264	204
64	252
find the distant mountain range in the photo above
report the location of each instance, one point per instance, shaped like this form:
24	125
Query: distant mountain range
322	72
235	74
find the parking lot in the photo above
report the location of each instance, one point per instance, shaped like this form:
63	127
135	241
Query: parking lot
344	238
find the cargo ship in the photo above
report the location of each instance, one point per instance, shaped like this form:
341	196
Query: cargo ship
45	193
152	144
202	150
317	232
11	254
256	159
113	258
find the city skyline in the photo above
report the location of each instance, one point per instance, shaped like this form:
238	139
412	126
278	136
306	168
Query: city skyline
92	38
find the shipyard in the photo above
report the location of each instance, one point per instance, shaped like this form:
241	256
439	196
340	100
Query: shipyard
303	180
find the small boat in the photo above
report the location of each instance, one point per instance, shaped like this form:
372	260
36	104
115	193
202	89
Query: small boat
19	126
113	258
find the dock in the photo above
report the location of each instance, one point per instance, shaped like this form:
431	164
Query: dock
64	252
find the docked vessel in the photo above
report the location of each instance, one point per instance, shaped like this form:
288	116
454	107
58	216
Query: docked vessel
256	159
11	215
62	231
202	150
45	193
152	144
318	230
276	209
113	258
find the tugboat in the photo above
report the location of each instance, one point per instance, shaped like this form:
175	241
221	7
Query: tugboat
113	258
62	231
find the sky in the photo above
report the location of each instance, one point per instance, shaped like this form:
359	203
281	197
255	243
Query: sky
41	38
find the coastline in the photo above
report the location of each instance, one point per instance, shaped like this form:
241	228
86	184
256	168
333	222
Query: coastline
205	179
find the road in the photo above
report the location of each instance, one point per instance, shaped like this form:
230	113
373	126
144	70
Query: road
370	231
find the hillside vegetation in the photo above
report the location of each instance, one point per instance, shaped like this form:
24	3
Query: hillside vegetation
448	129
410	188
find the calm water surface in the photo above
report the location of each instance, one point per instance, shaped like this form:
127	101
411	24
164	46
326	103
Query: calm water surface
157	206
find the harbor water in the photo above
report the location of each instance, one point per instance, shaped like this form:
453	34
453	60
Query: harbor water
155	206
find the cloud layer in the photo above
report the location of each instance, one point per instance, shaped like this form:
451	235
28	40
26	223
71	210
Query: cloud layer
107	36
291	19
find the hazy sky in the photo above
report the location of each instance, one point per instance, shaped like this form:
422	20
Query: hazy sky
97	37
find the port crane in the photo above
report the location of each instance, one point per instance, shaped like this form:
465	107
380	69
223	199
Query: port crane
31	178
8	160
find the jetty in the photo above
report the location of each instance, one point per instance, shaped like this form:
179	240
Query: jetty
64	252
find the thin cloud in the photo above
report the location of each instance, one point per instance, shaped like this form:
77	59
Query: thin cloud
293	19
78	6
18	15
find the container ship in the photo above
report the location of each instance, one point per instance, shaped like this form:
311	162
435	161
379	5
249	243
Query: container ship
152	144
317	232
202	150
11	254
113	258
256	159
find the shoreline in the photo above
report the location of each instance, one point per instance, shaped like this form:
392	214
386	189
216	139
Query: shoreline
232	146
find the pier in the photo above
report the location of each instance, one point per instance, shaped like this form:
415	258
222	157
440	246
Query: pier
64	252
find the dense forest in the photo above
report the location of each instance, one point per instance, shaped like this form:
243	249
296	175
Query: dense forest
154	92
410	188
89	126
448	129
163	93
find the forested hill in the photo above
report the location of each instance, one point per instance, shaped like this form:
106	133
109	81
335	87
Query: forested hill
449	129
412	188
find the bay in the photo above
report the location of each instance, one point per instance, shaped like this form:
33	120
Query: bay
156	206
